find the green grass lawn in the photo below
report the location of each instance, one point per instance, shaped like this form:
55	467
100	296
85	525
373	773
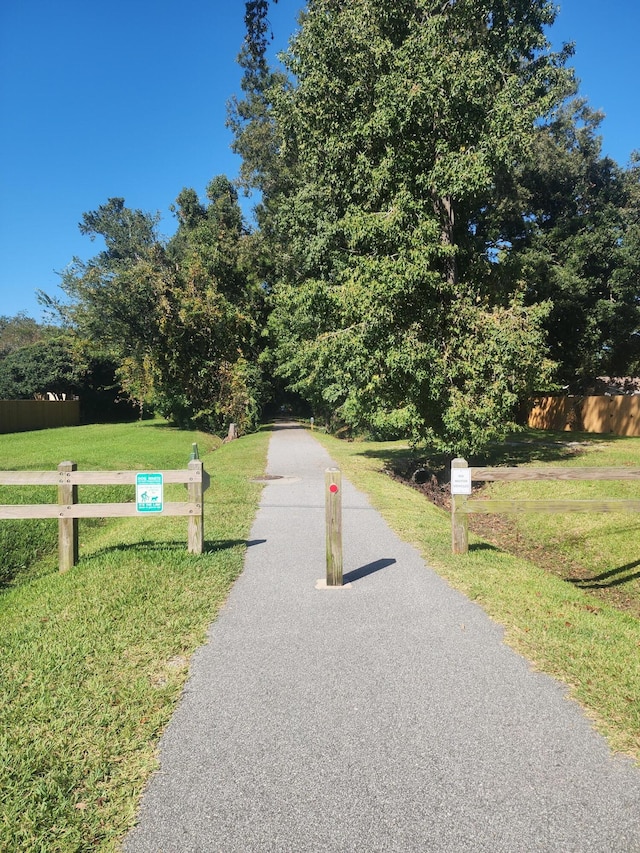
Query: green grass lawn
583	631
599	553
94	659
142	446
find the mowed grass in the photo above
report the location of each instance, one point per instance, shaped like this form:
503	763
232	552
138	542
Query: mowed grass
599	553
568	629
93	660
139	446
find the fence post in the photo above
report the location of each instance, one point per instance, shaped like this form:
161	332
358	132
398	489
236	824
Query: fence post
459	519
195	491
333	518
67	527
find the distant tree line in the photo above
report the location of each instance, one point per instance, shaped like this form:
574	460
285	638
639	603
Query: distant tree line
437	235
37	360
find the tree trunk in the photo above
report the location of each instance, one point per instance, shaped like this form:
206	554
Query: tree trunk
445	212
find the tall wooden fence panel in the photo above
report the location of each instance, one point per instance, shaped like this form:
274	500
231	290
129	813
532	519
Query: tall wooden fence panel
25	415
619	415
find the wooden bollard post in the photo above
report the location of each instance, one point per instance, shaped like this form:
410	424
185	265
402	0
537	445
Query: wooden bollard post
67	527
460	491
333	513
195	491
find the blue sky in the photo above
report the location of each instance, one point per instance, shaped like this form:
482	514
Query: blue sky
128	98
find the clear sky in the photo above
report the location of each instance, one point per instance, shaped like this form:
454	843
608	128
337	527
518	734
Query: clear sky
128	98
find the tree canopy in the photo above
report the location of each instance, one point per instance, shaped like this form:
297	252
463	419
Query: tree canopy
40	368
578	248
179	318
437	235
404	125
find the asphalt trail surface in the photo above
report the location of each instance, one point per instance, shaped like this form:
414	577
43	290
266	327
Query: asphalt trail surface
386	716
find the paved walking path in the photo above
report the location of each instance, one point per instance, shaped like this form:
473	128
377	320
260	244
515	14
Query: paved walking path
388	716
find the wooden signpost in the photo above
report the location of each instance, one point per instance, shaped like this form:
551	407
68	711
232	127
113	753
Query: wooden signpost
333	514
460	491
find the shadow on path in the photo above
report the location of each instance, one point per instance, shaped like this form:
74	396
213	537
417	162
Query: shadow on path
369	569
285	424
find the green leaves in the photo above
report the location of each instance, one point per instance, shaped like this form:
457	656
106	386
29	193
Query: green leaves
38	368
494	358
409	123
180	320
578	247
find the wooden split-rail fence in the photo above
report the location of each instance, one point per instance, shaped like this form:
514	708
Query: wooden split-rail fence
462	505
67	509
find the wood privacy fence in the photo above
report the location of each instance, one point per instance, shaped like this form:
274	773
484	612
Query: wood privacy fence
67	509
619	414
24	415
462	505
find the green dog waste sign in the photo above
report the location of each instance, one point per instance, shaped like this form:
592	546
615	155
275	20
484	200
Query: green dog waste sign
149	492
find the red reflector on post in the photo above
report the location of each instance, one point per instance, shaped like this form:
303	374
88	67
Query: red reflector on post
333	488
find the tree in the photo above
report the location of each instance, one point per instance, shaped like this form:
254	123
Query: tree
210	320
40	368
576	244
21	331
265	165
112	300
113	297
180	320
406	123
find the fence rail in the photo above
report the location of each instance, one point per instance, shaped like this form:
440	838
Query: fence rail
462	505
67	509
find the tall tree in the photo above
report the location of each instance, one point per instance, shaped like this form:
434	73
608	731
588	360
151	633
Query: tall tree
113	297
265	165
112	301
577	245
180	320
406	123
211	319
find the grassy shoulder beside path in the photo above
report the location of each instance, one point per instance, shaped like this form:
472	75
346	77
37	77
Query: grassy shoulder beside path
560	626
94	659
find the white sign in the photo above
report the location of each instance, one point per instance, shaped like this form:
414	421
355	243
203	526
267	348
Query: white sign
149	492
461	481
